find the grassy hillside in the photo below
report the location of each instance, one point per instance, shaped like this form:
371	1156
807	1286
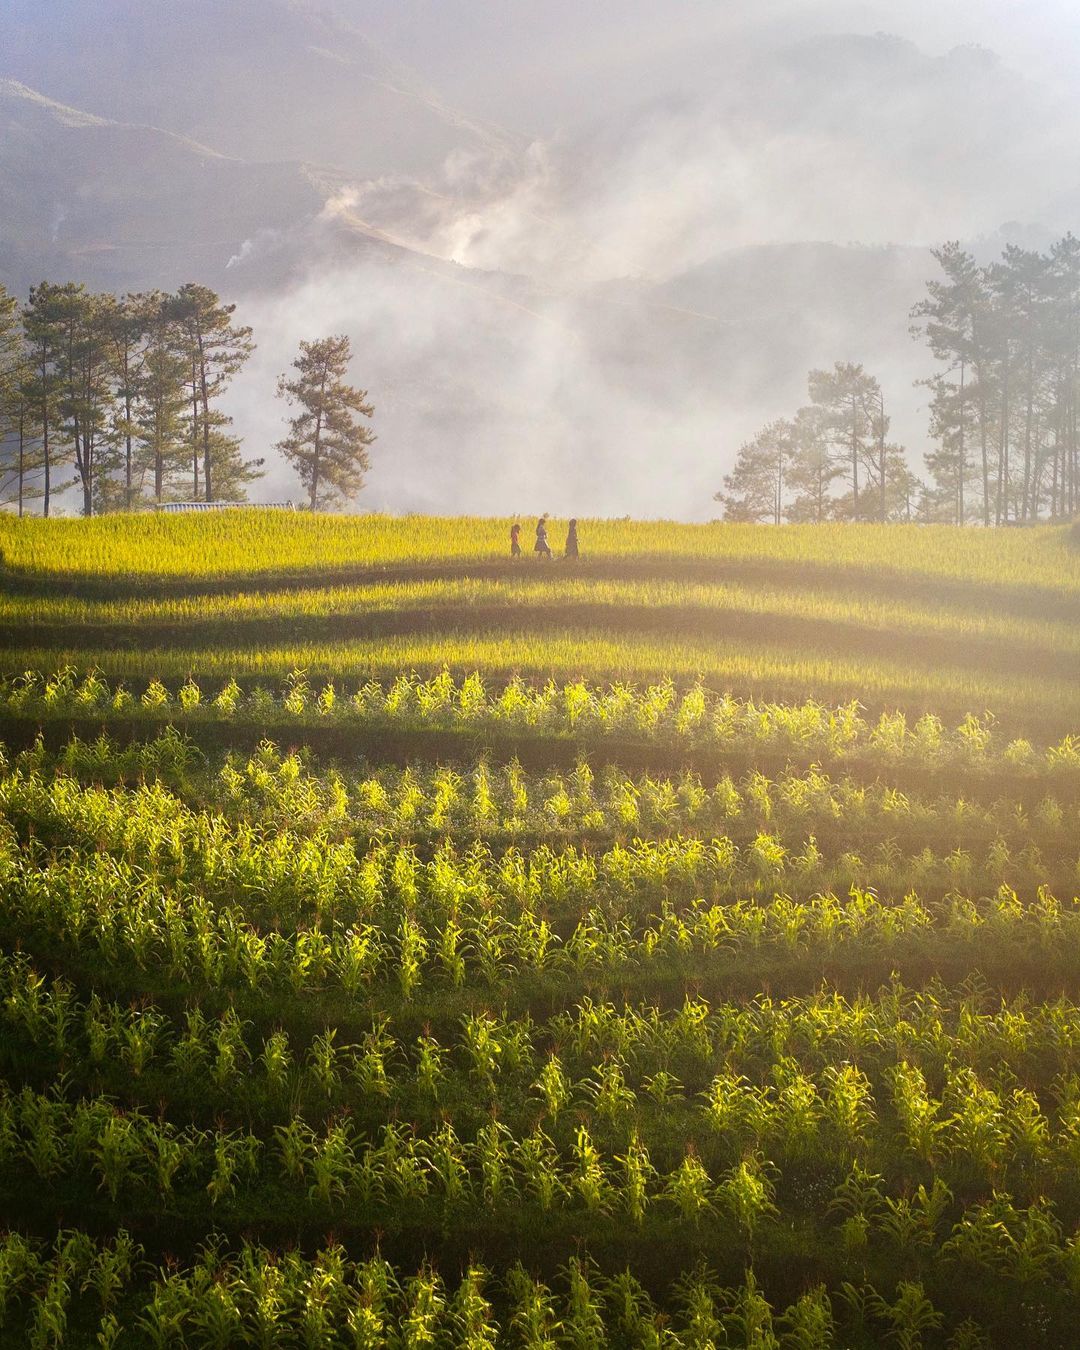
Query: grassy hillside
367	977
916	618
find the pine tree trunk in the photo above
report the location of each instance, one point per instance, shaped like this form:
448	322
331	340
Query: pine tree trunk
317	443
45	451
205	420
1029	417
194	435
22	456
128	489
1002	512
961	468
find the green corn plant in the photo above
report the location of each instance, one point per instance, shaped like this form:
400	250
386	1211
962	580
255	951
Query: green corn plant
331	1160
431	1070
606	1090
848	1105
368	1317
916	1110
49	1315
537	1160
369	1067
912	1222
638	1175
357	957
167	1154
494	1153
533	1316
161	1320
471	1313
276	1060
588	1177
445	1158
189	696
859	1200
117	1150
260	1289
746	1193
214	1311
324	1297
20	1265
235	1155
976	1129
112	1268
808	1322
584	1325
484	1048
407	1171
698	1295
663	1087
633	1315
798	1108
322	1061
690	1188
294	1141
230	1053
911	1317
751	1318
413	948
425	1308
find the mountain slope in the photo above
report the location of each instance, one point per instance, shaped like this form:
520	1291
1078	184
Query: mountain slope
256	79
120	204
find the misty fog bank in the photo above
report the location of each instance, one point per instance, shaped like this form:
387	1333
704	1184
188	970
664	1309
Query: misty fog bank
582	254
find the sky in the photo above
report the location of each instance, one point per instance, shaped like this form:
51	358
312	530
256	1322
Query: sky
537	65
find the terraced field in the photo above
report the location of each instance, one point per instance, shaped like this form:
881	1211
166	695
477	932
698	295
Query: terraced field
397	947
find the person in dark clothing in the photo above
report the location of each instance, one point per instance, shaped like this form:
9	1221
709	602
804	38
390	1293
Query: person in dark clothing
542	548
571	540
515	540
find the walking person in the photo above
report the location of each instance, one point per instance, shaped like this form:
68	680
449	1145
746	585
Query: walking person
542	548
571	540
515	539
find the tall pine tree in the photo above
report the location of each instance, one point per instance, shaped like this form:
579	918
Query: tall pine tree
216	350
327	441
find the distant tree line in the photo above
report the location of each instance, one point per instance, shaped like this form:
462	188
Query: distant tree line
120	398
1004	411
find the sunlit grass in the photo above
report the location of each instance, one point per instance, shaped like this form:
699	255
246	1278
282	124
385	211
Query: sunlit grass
555	590
262	542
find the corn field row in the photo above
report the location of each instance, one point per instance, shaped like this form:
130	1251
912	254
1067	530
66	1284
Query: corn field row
663	1055
659	712
482	800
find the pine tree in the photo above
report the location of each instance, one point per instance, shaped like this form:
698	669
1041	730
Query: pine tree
23	463
952	420
1063	346
232	472
20	462
327	443
83	369
127	334
956	321
813	469
216	350
10	341
43	324
848	398
161	397
755	490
